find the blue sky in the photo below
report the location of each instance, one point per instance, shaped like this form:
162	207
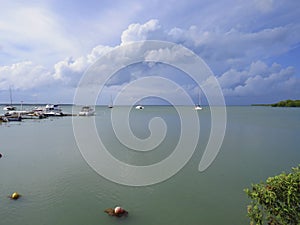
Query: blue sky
251	46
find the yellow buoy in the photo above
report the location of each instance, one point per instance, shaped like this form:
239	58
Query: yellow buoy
15	195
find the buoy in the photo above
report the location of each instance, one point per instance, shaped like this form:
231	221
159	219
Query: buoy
15	195
0	155
118	210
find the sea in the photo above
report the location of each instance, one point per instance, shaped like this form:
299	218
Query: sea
43	160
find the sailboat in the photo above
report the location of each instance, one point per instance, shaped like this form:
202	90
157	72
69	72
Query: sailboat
198	106
111	103
9	107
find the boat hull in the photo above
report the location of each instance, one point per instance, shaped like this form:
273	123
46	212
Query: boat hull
86	114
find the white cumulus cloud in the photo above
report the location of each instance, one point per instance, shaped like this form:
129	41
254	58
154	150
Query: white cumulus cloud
140	32
24	75
260	80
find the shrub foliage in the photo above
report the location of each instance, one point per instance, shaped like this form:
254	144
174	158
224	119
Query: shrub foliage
276	201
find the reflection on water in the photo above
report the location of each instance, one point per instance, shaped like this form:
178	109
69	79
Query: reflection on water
42	162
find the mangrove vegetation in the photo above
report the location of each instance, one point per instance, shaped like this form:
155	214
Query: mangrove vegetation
276	201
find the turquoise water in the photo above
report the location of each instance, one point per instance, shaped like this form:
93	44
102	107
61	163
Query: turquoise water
41	160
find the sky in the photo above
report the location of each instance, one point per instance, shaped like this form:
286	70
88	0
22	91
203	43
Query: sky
251	46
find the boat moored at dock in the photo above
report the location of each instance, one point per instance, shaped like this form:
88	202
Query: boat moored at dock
52	110
87	111
48	110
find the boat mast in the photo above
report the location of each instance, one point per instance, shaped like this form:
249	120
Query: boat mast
199	97
10	95
111	105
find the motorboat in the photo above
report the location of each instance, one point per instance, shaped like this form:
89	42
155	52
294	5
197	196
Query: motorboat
48	110
16	112
9	108
139	107
198	107
87	111
52	110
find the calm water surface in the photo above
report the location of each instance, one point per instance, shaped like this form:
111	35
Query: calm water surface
42	162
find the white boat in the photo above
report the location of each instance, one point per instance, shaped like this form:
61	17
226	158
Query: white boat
16	112
198	106
87	111
139	107
13	116
9	107
48	110
38	109
111	105
52	110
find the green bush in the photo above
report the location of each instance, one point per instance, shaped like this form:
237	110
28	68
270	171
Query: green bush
276	201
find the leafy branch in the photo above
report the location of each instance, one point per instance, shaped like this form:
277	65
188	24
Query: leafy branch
276	201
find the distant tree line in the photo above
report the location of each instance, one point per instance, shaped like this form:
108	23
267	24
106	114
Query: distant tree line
285	103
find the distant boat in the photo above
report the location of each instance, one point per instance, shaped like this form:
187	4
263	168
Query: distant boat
48	110
16	112
139	107
87	111
198	106
111	103
52	110
9	107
